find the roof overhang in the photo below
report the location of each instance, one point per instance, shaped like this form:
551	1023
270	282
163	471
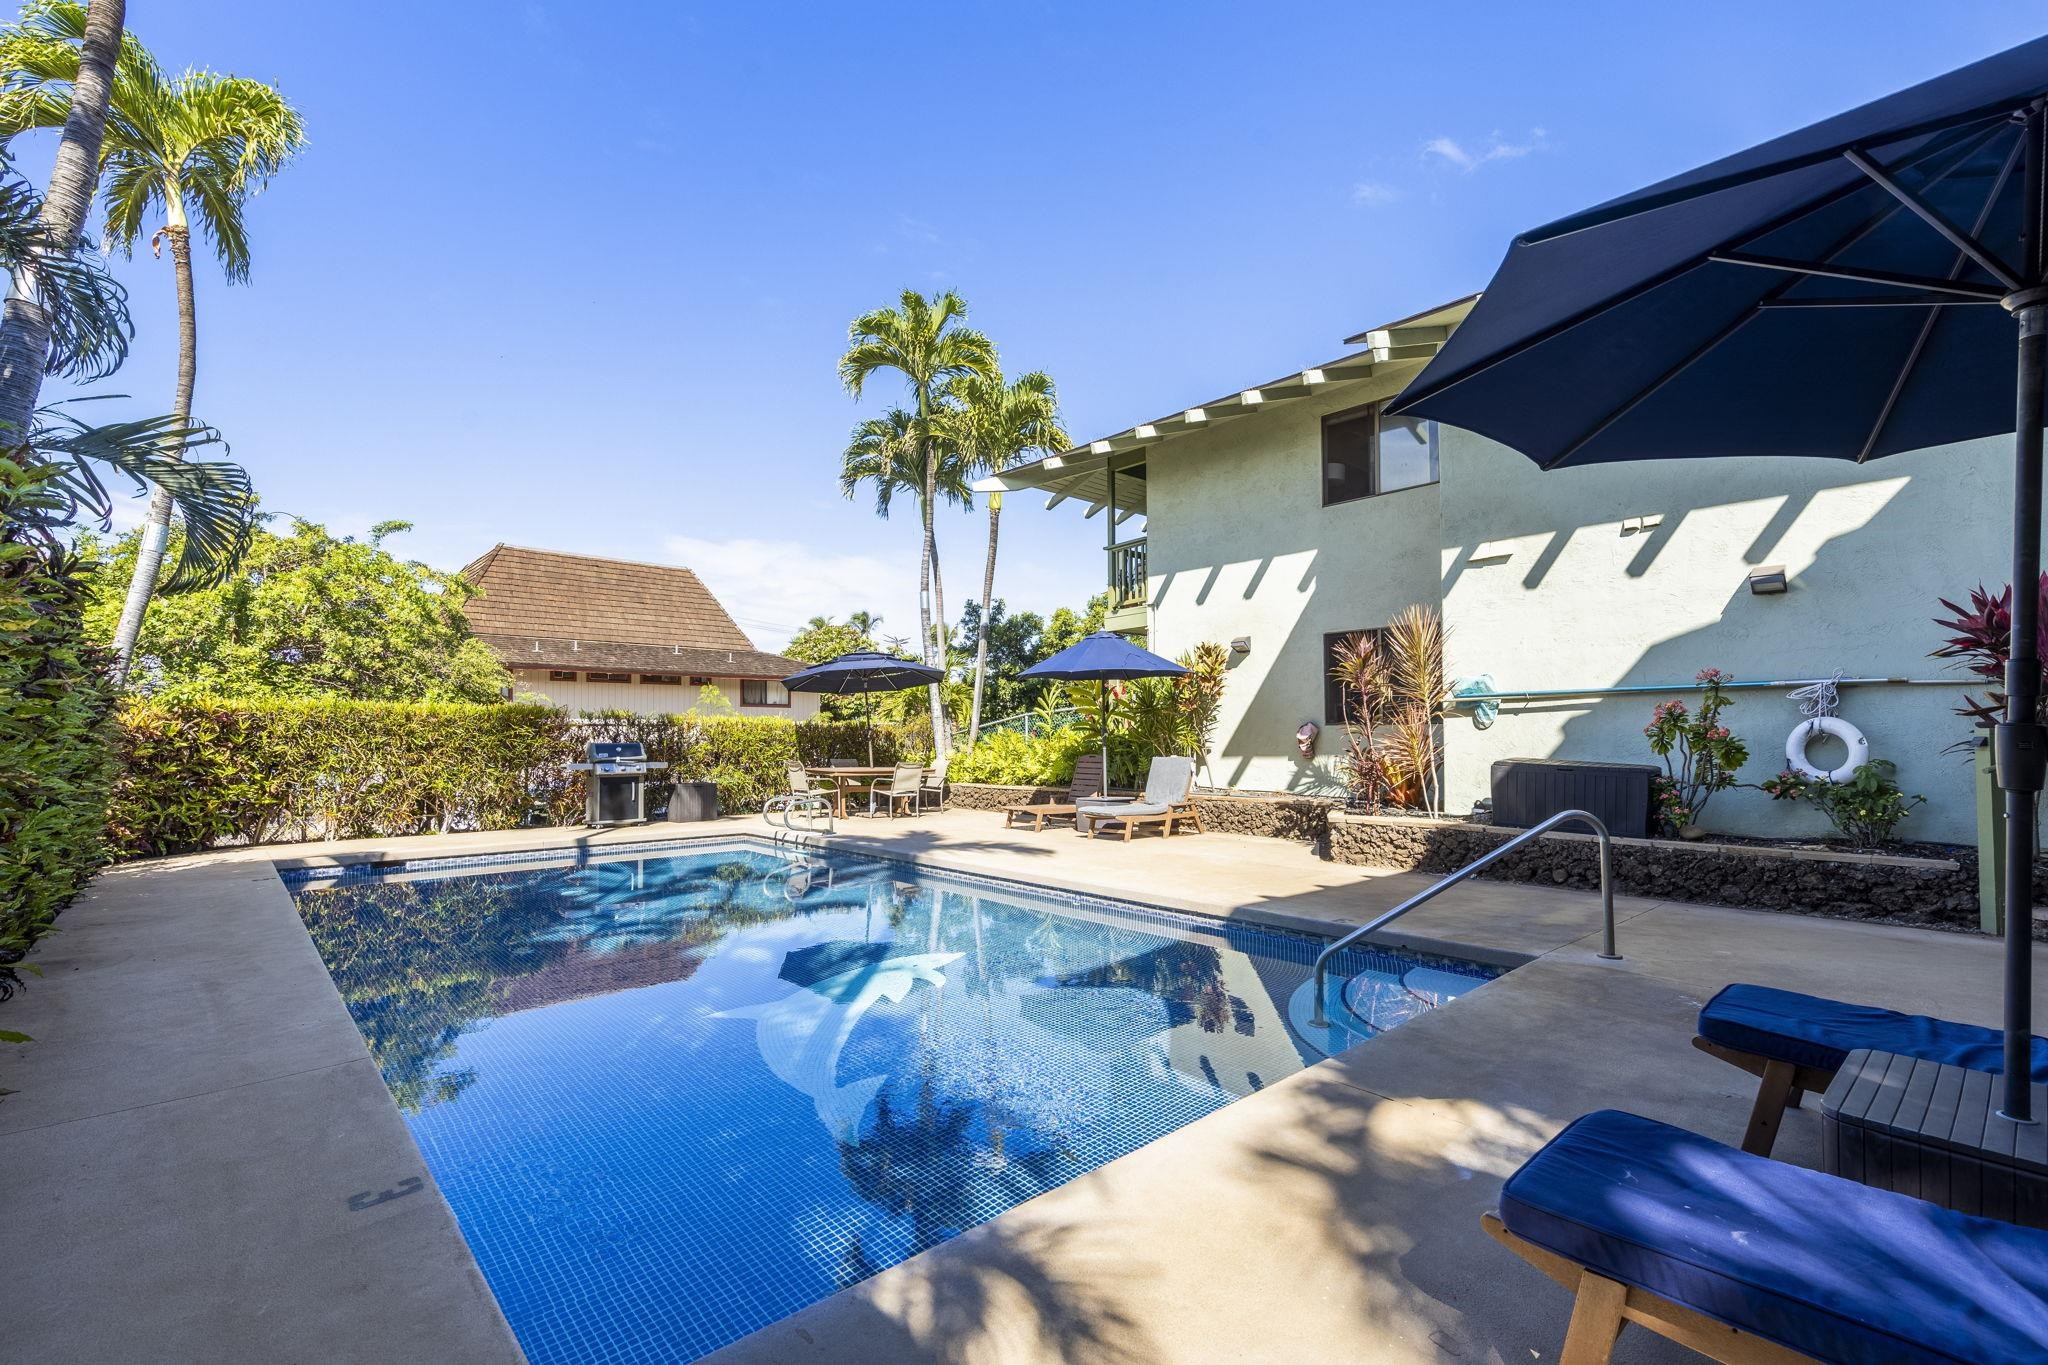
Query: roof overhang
1082	474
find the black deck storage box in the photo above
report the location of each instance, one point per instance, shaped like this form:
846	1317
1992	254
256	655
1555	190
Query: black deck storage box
693	801
1528	791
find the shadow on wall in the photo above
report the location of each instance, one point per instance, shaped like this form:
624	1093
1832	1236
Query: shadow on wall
1862	602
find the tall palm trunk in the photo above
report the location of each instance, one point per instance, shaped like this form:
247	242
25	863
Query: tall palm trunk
24	328
156	528
933	651
988	587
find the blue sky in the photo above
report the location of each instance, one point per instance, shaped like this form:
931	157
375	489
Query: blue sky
576	276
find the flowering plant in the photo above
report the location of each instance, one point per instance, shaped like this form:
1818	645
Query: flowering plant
1700	756
1865	810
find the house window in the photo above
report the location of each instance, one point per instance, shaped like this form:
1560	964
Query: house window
763	692
561	675
663	679
1366	452
699	680
608	677
1333	690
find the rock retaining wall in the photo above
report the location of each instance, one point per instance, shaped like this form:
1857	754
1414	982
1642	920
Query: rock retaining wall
1929	892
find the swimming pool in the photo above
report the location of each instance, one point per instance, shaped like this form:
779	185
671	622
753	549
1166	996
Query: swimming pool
673	1097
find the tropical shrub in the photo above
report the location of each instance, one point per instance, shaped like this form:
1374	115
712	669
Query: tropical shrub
1865	810
1700	756
197	772
1395	694
1982	644
54	704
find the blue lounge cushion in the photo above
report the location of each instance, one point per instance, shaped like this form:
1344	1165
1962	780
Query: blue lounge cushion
1813	1262
1809	1030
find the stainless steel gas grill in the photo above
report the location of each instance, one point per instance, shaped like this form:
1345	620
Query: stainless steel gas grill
615	792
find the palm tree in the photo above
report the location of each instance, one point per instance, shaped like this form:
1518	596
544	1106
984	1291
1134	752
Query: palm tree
994	424
194	145
889	452
33	340
928	342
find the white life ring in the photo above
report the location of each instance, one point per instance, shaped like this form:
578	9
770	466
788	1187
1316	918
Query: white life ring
1803	735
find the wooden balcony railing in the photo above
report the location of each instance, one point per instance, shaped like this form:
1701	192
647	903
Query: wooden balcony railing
1127	574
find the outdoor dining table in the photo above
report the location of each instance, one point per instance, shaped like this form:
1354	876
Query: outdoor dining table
848	779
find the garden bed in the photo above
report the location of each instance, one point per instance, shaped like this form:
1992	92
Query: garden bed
1304	819
1937	892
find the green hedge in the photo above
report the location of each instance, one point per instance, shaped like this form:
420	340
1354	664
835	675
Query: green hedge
1046	759
54	738
199	772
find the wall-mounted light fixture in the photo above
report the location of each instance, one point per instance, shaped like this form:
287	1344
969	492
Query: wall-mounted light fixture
1241	645
1767	579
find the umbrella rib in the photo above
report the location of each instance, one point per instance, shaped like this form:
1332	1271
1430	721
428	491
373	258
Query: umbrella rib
1772	296
1919	347
1961	125
1664	277
1925	283
1879	301
1964	242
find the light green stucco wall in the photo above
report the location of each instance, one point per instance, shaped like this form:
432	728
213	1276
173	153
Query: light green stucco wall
1241	545
1579	602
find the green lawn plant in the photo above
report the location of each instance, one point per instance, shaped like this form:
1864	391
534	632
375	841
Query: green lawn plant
1865	810
1701	756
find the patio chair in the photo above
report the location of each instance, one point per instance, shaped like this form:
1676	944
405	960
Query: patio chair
900	787
803	795
1087	782
1753	1261
1796	1043
932	792
1169	787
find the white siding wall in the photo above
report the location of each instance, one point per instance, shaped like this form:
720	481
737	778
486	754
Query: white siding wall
1241	545
649	699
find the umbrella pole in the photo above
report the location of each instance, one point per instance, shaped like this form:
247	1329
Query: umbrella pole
867	710
2021	744
1107	702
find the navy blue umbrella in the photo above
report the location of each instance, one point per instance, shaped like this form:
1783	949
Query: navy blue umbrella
862	672
1103	657
1851	290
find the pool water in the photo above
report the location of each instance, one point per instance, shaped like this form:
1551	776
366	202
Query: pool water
674	1098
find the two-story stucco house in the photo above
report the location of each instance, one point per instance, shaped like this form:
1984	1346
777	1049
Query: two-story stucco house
1283	516
592	634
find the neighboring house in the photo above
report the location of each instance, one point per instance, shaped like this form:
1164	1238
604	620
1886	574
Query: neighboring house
1287	515
592	634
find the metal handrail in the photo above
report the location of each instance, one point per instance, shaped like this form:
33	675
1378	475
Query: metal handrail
1322	968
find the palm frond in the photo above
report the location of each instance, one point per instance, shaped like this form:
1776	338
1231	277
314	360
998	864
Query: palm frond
87	309
214	500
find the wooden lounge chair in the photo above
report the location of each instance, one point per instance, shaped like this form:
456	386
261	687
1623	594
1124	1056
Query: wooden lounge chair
1796	1043
1756	1262
1168	800
1087	783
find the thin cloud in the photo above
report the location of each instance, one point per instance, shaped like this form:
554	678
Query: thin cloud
1374	193
1496	148
772	587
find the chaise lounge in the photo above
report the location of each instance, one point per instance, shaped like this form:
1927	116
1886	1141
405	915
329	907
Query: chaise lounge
1087	784
1796	1043
1169	787
1756	1262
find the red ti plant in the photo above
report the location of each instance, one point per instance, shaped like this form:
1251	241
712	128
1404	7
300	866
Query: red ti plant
1982	643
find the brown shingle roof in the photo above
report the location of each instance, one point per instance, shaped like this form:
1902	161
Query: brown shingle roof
546	595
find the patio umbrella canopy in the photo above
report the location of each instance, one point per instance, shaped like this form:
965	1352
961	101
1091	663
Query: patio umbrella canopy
863	672
1103	657
1854	289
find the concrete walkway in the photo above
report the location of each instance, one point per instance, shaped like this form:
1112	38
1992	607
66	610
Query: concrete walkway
198	1115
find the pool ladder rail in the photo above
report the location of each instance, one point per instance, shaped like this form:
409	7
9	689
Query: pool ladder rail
1421	898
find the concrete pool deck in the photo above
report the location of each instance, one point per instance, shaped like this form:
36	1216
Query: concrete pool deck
202	1149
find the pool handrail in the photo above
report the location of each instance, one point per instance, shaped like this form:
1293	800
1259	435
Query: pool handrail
1607	949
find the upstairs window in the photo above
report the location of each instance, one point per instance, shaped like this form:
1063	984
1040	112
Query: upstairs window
608	677
699	680
763	692
561	675
1366	453
663	679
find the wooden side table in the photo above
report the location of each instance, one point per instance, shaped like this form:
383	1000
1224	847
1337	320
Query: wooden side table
1934	1132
